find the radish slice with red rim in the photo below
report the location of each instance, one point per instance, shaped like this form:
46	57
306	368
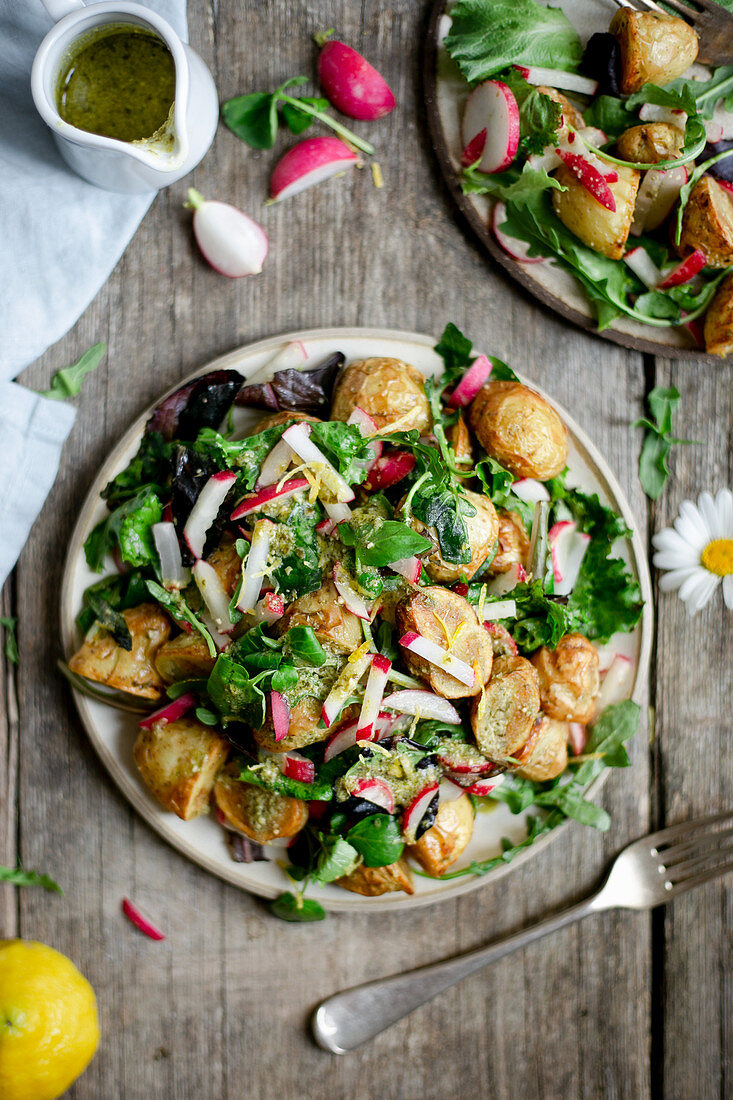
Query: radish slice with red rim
308	163
214	595
423	704
353	601
491	106
376	791
577	737
270	608
138	918
269	493
375	685
206	509
472	381
389	470
170	712
616	684
420	814
255	565
506	582
299	767
298	437
448	791
530	491
485	786
274	465
348	678
499	609
409	568
172	571
280	710
345	737
558	78
518	250
436	655
289	357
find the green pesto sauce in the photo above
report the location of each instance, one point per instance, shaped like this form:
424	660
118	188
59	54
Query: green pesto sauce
118	82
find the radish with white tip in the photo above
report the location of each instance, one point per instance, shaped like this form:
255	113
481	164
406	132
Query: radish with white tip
214	595
558	78
347	680
685	270
230	241
351	84
651	112
292	355
297	766
346	737
376	791
643	266
518	250
269	493
297	436
475	377
206	509
280	710
353	601
530	491
499	609
274	465
492	107
412	819
506	582
616	684
172	571
253	570
423	704
436	655
568	547
308	163
373	692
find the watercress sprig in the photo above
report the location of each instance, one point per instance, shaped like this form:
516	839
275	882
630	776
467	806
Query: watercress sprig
658	440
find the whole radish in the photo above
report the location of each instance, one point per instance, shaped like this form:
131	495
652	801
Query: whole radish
352	85
231	242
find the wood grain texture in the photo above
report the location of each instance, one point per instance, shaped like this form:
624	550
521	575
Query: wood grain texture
221	1007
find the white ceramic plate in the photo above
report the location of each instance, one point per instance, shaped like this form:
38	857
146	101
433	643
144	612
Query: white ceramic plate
113	733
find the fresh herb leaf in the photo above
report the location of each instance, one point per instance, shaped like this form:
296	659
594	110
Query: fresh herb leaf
299	571
295	908
304	646
336	858
11	641
455	350
119	591
151	467
18	877
377	839
234	695
540	116
387	541
296	120
320	790
244	455
67	382
109	618
509	185
609	114
658	440
128	527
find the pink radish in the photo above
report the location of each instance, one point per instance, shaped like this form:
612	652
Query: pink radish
353	601
269	493
214	595
297	766
138	918
643	267
617	682
557	78
254	566
280	710
375	685
368	427
221	641
577	737
670	183
594	181
499	609
502	636
308	163
472	381
409	568
345	737
270	608
713	131
436	655
492	107
416	811
389	469
206	509
274	465
170	712
337	513
232	243
546	161
591	135
297	436
462	759
650	112
474	150
685	270
518	250
448	791
568	547
530	491
505	582
172	572
352	85
376	791
347	680
423	704
483	787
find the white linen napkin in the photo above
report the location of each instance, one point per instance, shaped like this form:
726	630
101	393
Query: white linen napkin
60	238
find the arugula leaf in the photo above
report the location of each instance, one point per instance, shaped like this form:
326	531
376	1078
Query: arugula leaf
336	858
571	803
245	455
496	480
455	350
151	467
320	790
486	38
176	606
615	725
502	372
18	877
129	527
295	908
234	695
11	641
377	839
67	382
658	440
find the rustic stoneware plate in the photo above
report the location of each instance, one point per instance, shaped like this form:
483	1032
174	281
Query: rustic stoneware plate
445	95
113	733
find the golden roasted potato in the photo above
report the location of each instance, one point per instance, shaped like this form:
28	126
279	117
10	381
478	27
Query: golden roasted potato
650	143
372	881
447	619
483	531
655	48
502	642
513	543
227	564
719	320
571	116
185	657
260	815
707	223
520	429
324	610
272	420
503	715
303	729
134	671
178	762
545	753
459	438
447	838
569	679
603	230
390	391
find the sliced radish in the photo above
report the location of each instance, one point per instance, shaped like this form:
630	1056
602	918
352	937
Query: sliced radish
591	178
349	677
271	492
572	143
214	595
290	356
172	571
280	709
413	819
568	547
423	704
353	601
389	469
506	582
643	267
138	918
645	198
650	112
713	131
270	608
409	568
530	491
376	791
591	135
448	791
308	163
606	655
373	692
685	270
492	107
518	250
670	183
231	242
463	759
503	638
255	564
616	684
206	509
546	161
472	381
499	609
298	437
220	640
696	329
485	786
353	85
337	513
299	767
474	150
557	78
274	465
436	655
345	737
368	427
170	712
577	737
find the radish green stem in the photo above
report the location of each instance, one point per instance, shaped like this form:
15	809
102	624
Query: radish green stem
195	200
328	121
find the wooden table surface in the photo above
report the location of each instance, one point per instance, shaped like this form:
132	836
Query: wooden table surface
626	1005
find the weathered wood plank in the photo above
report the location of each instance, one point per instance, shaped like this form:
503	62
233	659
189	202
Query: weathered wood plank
8	772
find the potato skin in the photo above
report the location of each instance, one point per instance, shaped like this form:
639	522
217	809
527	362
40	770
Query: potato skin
707	223
603	230
390	391
133	671
545	753
261	815
178	762
324	610
719	320
655	48
502	717
227	564
520	429
442	844
483	531
303	729
273	420
569	679
513	543
459	438
423	611
373	881
185	657
650	143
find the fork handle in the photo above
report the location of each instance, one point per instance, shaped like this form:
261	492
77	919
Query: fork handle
346	1020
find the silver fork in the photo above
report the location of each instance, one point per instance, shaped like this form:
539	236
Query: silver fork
714	25
649	872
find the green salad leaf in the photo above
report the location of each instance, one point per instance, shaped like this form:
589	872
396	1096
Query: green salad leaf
510	185
296	908
658	439
320	790
150	468
386	541
244	455
234	694
18	877
117	592
128	527
336	858
540	116
299	569
175	604
304	646
67	382
377	839
11	642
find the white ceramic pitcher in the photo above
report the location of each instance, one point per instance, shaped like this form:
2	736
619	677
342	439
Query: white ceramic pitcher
107	162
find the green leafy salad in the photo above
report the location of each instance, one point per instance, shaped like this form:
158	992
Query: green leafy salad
603	158
380	615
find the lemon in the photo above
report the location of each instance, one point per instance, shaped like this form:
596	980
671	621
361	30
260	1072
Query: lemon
49	1029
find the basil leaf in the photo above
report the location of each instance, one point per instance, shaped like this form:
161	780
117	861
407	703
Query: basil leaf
67	381
389	541
377	839
18	877
253	118
296	908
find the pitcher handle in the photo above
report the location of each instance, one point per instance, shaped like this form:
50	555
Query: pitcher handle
57	9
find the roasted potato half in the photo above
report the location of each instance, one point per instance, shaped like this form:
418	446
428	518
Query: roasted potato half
447	619
719	320
273	420
260	815
655	48
445	840
503	715
513	543
520	429
650	143
545	753
483	531
459	438
185	657
227	564
603	230
133	671
178	762
707	223
390	391
303	729
569	679
332	622
373	881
